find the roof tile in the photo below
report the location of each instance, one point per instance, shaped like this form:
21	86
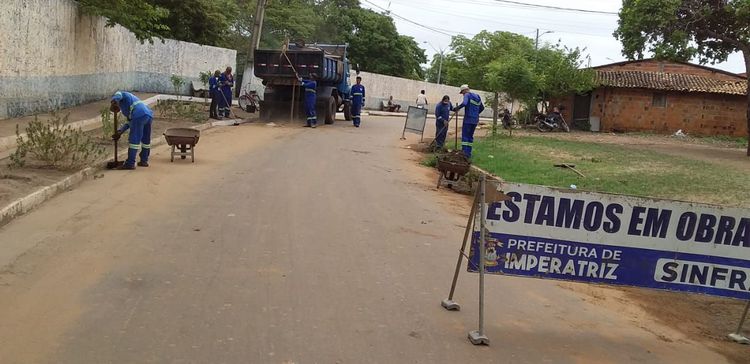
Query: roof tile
670	82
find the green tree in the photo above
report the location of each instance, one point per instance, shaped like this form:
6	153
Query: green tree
199	21
141	17
509	63
684	29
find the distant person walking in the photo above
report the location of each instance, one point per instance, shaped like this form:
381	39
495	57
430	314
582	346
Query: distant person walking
422	100
226	82
213	91
442	117
358	101
474	106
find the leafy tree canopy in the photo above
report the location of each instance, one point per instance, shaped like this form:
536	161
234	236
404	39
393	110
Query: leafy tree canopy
686	29
509	63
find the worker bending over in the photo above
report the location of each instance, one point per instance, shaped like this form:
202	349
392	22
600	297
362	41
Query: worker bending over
358	101
139	117
474	106
311	95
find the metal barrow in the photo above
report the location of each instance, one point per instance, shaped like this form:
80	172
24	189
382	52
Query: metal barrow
452	166
183	140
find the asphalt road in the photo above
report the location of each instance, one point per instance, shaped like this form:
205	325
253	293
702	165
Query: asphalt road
285	245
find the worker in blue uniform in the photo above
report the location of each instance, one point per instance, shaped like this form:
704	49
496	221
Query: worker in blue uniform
474	106
311	95
358	101
213	91
442	117
226	82
139	117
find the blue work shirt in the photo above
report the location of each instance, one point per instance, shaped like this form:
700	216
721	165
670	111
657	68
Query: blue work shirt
358	95
474	106
132	107
443	112
310	87
213	85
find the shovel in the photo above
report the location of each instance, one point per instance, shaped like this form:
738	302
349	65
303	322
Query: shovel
115	163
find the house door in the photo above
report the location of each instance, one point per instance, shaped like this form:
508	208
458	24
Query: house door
582	107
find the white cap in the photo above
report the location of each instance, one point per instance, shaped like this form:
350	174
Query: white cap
464	87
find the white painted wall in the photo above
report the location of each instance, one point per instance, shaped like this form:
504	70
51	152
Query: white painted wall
52	56
404	91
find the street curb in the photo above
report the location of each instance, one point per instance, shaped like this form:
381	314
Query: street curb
33	200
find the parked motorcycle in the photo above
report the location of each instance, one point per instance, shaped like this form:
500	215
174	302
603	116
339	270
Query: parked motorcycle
551	122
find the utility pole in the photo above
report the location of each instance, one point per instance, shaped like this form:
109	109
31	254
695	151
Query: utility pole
260	12
440	65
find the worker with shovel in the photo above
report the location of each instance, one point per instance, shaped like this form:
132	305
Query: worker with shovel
442	117
311	96
226	80
139	117
474	106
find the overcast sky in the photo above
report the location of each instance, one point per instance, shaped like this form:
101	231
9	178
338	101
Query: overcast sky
592	31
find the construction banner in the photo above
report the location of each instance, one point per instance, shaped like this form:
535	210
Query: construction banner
571	235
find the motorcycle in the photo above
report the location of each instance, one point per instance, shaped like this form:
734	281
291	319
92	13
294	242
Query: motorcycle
551	122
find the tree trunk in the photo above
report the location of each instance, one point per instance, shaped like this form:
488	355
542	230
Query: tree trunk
746	53
495	107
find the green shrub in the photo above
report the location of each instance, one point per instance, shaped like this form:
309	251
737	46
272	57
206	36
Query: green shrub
108	126
55	145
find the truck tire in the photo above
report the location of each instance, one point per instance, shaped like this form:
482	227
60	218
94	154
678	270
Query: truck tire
331	110
347	111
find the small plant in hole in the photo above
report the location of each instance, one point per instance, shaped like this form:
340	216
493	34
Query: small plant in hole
53	144
177	84
108	126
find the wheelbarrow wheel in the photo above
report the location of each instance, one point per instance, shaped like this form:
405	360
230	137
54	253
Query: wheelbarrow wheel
183	149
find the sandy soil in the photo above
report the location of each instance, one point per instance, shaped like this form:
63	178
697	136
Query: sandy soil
18	182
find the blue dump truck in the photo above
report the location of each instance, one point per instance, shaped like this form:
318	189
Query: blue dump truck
325	63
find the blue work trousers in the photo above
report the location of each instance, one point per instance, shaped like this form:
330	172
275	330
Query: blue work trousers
139	138
312	118
356	113
467	138
441	131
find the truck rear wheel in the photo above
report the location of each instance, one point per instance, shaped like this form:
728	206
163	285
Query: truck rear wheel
331	110
347	111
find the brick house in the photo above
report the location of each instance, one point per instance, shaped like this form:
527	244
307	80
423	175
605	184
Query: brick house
659	96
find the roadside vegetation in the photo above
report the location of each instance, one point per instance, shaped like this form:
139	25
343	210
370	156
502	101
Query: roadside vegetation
612	169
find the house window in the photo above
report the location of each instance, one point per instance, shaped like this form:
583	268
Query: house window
659	100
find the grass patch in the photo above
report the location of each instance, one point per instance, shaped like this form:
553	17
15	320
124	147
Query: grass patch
430	161
610	168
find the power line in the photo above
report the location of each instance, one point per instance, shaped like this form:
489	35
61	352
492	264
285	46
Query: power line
449	33
556	7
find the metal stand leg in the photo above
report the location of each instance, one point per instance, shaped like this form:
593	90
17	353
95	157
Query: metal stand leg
449	303
478	337
192	153
172	158
737	336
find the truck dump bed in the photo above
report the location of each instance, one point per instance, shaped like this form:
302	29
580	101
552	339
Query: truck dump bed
272	64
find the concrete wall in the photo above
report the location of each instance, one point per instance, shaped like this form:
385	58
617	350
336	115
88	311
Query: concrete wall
52	56
404	91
